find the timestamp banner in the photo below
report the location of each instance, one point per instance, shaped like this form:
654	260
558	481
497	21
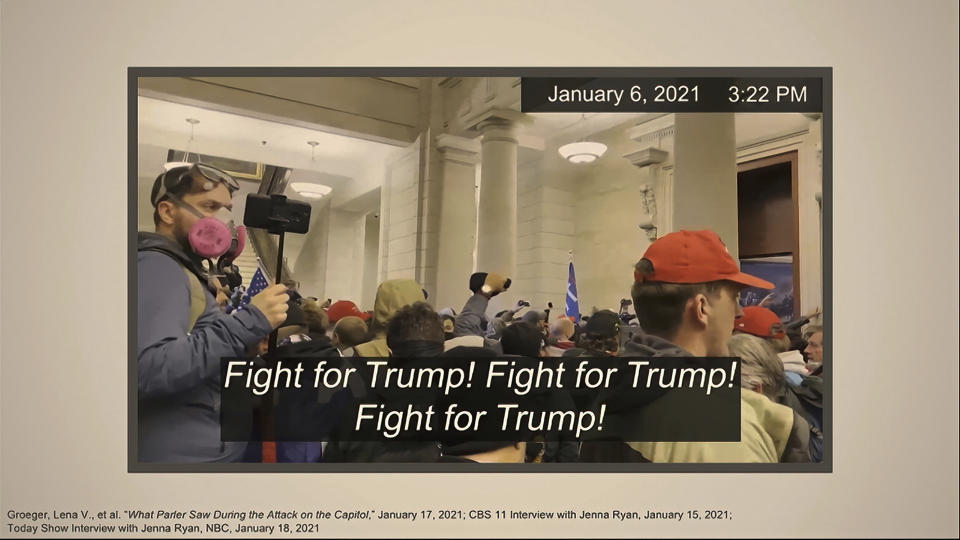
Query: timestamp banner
672	94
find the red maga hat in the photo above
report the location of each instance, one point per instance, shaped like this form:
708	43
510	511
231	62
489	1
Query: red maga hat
761	322
344	308
694	257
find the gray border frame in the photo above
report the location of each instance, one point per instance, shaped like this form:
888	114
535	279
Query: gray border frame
824	73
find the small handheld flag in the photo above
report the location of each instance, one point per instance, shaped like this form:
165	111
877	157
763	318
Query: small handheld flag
572	308
257	283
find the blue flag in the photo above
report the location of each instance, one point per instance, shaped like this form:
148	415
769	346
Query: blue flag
257	283
572	308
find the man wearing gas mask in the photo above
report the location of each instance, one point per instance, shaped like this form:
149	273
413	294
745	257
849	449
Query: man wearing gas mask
182	333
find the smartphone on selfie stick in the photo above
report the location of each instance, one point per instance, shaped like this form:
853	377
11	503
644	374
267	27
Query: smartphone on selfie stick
277	215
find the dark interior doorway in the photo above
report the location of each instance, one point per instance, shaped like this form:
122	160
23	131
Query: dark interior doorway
769	225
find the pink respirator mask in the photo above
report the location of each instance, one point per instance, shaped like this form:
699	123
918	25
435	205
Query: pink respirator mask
211	237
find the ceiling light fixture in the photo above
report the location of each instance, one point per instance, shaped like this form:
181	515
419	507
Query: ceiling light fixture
582	151
313	152
310	190
186	156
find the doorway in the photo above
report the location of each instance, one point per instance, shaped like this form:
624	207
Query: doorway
769	231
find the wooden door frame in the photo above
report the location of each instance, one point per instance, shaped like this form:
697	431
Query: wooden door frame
791	157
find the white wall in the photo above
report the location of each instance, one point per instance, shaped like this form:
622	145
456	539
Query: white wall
399	220
345	256
371	254
608	211
546	222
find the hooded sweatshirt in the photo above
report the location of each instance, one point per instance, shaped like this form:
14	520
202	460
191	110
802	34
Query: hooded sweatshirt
391	296
178	368
765	426
472	321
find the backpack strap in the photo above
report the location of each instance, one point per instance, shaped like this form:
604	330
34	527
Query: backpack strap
198	301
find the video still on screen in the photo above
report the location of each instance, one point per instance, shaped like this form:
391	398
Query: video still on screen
480	270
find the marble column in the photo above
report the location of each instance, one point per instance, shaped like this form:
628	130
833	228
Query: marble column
458	161
497	213
497	206
705	175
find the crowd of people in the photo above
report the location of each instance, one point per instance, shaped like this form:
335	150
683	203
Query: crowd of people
684	295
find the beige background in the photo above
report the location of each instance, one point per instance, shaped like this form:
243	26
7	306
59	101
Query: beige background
64	227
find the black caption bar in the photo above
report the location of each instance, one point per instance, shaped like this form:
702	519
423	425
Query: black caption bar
681	94
463	398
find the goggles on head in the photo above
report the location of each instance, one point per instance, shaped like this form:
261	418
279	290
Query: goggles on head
174	179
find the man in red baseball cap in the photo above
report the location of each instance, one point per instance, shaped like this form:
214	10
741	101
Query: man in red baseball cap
686	295
763	323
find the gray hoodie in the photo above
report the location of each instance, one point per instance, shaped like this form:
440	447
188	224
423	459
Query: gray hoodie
178	372
471	320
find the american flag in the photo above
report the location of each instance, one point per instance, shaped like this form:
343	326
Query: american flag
257	283
572	308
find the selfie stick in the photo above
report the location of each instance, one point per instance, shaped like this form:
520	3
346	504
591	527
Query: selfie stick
272	341
279	227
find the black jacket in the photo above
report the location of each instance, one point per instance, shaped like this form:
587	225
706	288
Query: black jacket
346	445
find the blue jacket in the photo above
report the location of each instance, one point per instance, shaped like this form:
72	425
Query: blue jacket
178	373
